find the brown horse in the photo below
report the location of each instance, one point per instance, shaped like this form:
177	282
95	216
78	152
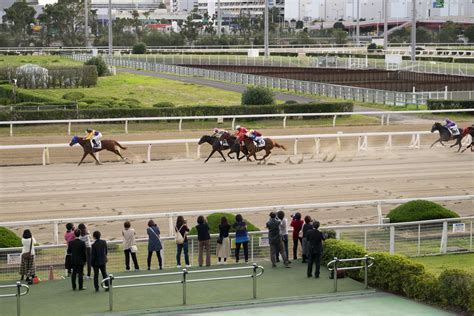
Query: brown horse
110	145
465	132
253	149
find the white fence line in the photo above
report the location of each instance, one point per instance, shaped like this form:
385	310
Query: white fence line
385	118
289	208
362	145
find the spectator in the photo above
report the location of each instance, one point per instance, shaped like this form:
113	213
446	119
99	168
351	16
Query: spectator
223	247
297	224
68	237
274	238
129	247
307	226
86	238
241	238
284	232
315	249
154	244
99	258
204	241
183	229
27	266
78	260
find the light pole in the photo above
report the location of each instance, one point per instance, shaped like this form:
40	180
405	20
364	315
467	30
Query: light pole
86	23
110	28
358	26
385	24
378	21
265	37
219	18
413	31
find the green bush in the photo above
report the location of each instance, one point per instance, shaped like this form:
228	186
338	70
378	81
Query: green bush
73	96
329	233
8	238
419	210
424	287
457	287
257	96
371	47
451	105
139	48
164	104
101	66
342	249
214	220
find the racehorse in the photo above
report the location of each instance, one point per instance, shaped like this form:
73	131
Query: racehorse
470	131
219	147
110	145
253	149
445	135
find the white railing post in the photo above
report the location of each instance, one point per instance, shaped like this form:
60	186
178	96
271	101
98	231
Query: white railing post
392	240
198	152
148	153
171	225
295	147
187	150
334	121
233	123
55	233
419	240
69	128
444	238
126	126
180	127
379	212
11	129
284	122
317	145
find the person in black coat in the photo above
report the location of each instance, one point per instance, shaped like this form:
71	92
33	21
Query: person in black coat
77	248
315	249
98	258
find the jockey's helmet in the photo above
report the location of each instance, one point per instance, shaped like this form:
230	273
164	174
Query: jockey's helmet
237	127
89	130
216	130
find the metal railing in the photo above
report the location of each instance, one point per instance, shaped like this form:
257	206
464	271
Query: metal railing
18	294
108	283
333	266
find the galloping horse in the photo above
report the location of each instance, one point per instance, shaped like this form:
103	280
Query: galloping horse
110	145
470	131
445	135
219	147
253	149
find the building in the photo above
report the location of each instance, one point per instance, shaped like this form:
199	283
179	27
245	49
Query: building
233	8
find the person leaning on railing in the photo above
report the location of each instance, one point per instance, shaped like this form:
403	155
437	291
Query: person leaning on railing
204	241
223	241
297	224
182	229
28	266
154	244
129	247
86	238
241	238
306	226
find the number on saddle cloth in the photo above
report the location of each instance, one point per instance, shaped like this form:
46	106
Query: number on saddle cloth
96	144
259	142
454	131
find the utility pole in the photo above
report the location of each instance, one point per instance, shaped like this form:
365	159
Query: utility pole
385	24
413	31
219	18
358	26
110	28
86	23
265	39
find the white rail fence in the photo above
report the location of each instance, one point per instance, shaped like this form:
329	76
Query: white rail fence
412	239
384	118
394	98
362	142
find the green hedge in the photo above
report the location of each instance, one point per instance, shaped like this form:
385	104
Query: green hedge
450	105
197	110
419	210
398	274
214	220
8	238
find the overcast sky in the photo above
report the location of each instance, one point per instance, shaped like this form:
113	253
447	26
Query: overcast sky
46	1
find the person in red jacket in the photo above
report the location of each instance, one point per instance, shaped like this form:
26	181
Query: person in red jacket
297	224
240	133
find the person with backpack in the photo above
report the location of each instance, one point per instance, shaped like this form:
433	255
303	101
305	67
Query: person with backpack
181	236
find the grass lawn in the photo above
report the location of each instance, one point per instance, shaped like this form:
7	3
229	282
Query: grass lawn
45	61
149	90
437	264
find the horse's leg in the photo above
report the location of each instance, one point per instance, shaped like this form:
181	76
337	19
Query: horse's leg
470	146
267	153
220	152
83	156
95	158
117	152
210	155
439	140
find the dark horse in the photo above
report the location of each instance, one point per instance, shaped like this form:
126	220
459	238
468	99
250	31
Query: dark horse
216	144
253	149
470	131
445	135
110	145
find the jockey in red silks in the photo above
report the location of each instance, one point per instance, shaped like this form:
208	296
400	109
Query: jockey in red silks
240	133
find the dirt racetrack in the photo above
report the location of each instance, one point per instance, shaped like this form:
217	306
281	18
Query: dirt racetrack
65	190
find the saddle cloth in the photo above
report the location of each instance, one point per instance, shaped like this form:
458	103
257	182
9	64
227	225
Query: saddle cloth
224	142
97	144
454	131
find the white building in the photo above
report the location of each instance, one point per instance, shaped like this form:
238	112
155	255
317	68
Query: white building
234	8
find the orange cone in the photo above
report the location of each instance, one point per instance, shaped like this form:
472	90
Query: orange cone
51	273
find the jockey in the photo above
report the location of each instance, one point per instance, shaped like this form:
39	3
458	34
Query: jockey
94	136
219	133
452	127
240	133
255	136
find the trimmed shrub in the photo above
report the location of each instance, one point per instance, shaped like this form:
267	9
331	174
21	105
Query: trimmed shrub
101	66
213	220
257	96
341	249
73	96
419	210
457	287
164	104
424	288
8	238
371	47
450	105
139	48
329	233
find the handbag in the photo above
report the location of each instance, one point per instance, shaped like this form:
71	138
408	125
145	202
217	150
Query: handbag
28	255
133	249
220	239
178	237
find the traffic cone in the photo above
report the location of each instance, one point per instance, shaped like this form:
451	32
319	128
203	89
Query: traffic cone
51	273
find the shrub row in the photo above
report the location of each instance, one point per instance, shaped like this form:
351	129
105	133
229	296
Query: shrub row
450	105
197	110
419	210
398	274
8	238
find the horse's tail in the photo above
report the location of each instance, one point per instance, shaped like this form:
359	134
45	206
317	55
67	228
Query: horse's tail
118	144
279	146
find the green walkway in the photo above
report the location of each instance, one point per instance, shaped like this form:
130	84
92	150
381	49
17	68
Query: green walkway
57	298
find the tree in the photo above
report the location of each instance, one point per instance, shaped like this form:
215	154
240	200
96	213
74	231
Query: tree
339	25
20	15
340	36
190	29
469	33
448	33
299	24
162	6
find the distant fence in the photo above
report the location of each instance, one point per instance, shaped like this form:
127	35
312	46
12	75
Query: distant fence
412	239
